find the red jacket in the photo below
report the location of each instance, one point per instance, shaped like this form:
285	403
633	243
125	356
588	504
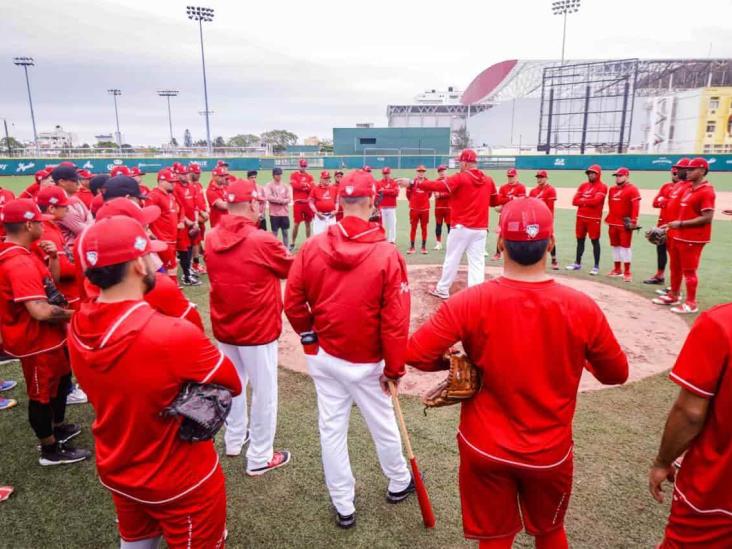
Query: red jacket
418	195
442	200
302	183
350	286
68	283
589	199
132	363
215	192
389	190
165	227
623	201
245	266
472	193
531	341
509	191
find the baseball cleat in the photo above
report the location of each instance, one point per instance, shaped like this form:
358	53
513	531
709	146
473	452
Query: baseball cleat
667	299
191	281
7	384
663	291
199	269
397	497
654	280
595	271
411	251
685	309
279	459
346	521
614	274
66	432
438	246
436	293
76	396
7	403
574	267
424	251
62	455
627	277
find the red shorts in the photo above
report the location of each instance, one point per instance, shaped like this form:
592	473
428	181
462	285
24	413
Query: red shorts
42	373
197	519
184	241
442	215
201	234
620	236
585	226
169	258
689	254
301	212
419	216
495	496
687	529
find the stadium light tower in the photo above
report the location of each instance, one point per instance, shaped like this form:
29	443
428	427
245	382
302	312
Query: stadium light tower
563	7
168	94
197	13
114	93
26	62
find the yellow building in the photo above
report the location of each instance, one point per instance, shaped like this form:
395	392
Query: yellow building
714	132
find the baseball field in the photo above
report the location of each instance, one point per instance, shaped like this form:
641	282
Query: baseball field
617	433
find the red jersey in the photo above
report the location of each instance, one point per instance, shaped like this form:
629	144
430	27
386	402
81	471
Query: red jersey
165	227
703	368
509	191
302	183
623	201
350	286
442	200
472	193
215	192
248	263
31	191
323	197
21	279
187	200
546	193
418	195
201	205
661	201
68	284
97	202
589	199
531	342
694	202
389	190
127	345
86	196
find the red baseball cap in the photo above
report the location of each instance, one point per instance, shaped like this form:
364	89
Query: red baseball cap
84	174
441	168
114	240
21	210
510	172
179	168
166	174
525	220
682	163
120	170
135	171
542	173
468	155
52	196
220	163
67	164
241	190
385	170
42	174
366	168
594	169
325	174
194	168
123	206
303	163
358	184
698	162
220	170
622	171
421	168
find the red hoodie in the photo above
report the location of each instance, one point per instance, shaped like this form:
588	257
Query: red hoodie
350	286
245	266
390	192
418	195
590	197
132	362
68	284
472	193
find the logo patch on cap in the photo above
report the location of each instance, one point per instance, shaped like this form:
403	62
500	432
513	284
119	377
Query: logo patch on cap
532	230
28	215
349	189
92	258
140	244
53	200
232	197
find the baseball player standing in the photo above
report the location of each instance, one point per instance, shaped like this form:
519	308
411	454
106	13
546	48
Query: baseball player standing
77	217
515	434
660	202
323	198
42	178
348	297
548	195
194	177
589	199
279	196
624	205
419	209
472	193
699	427
216	194
389	189
188	231
302	183
165	227
442	208
249	263
510	190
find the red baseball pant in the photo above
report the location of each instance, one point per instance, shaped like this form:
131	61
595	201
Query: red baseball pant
302	212
418	217
620	237
687	529
684	259
43	372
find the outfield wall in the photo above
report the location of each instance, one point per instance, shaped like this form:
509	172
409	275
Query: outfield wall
637	162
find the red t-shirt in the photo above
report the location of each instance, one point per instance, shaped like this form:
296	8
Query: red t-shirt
215	192
696	200
86	196
200	196
132	363
302	183
165	227
531	342
323	197
390	192
545	193
512	190
186	197
703	368
442	200
589	199
21	280
661	201
623	201
418	195
68	283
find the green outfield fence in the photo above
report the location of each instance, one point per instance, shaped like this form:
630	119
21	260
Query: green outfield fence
639	162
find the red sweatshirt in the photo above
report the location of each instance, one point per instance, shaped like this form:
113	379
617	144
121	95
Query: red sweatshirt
302	183
165	227
67	283
589	199
350	286
531	341
389	189
215	192
661	201
418	195
623	201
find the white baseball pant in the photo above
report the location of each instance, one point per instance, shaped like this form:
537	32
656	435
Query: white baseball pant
338	384
256	365
388	218
462	240
321	225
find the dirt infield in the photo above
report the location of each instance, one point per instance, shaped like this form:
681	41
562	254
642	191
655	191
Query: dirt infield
651	336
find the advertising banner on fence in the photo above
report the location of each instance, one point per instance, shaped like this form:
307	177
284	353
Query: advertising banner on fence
638	162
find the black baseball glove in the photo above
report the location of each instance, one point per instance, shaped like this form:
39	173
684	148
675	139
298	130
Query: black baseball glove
629	225
203	407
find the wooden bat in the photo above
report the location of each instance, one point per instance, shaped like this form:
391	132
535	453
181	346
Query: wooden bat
425	506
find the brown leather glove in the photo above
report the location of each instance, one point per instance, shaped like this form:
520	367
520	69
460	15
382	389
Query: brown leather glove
462	382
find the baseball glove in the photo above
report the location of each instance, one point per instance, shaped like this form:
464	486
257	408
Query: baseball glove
462	382
629	225
194	231
203	407
656	236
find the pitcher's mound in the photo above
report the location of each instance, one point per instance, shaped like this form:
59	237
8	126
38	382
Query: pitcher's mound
651	336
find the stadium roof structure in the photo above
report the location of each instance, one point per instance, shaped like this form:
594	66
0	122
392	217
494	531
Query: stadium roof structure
515	78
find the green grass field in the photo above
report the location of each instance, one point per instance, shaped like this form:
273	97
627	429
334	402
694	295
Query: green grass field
616	432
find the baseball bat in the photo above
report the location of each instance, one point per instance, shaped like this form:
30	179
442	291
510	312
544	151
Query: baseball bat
425	505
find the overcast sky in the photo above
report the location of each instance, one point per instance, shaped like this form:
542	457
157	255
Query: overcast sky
304	66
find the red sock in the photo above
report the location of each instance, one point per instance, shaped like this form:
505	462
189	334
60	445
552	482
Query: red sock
617	267
627	268
553	540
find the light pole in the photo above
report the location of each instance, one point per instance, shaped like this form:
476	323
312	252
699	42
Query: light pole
563	7
26	62
197	13
168	94
114	93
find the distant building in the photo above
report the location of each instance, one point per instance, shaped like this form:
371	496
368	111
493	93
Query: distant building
104	138
311	141
56	139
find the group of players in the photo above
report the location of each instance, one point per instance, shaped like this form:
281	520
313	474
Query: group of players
97	293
